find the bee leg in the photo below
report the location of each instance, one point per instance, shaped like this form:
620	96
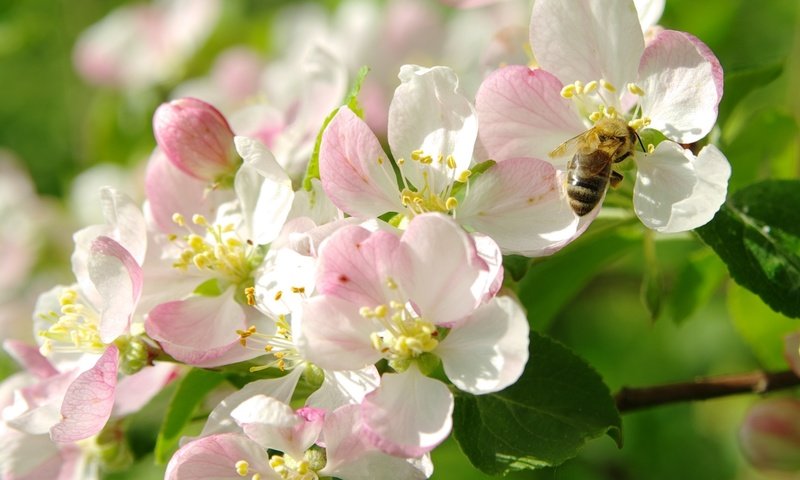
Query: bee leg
616	177
622	157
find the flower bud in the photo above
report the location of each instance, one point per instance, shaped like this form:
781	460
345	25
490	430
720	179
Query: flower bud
196	138
770	434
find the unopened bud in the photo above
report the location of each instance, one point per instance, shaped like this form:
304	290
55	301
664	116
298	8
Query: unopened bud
770	434
196	138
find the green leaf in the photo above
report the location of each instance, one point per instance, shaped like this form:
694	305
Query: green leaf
209	288
351	101
558	405
190	392
757	234
695	284
553	282
741	82
760	327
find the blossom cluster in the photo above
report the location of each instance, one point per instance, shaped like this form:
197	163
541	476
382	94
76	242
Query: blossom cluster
379	280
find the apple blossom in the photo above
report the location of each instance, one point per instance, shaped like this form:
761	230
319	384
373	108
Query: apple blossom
411	300
594	64
770	433
432	132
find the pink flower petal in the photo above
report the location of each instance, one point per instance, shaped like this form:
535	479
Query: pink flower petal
134	391
89	400
408	415
522	114
215	457
356	173
200	331
519	203
353	265
487	352
273	424
334	335
587	41
118	279
29	358
682	81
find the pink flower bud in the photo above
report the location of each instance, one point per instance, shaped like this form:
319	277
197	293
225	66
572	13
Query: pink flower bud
196	138
770	434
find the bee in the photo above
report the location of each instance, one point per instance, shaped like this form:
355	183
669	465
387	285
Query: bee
589	172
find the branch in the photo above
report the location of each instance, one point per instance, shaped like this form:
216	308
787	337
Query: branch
631	399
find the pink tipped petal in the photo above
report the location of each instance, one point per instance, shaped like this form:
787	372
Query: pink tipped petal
353	265
273	424
351	457
682	81
264	190
134	391
488	351
429	114
522	113
438	267
676	191
171	191
118	279
215	458
29	358
89	400
408	415
356	173
335	336
519	203
587	40
200	331
490	280
344	388
32	457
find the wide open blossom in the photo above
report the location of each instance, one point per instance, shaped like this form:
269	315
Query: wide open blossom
303	444
594	64
432	132
412	300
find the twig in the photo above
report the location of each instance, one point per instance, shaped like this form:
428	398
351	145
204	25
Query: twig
631	399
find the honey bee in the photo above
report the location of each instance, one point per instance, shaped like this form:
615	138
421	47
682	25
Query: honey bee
589	172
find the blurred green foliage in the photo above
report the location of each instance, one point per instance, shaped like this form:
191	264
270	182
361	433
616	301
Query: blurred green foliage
59	126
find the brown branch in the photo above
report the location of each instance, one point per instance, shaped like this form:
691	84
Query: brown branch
631	399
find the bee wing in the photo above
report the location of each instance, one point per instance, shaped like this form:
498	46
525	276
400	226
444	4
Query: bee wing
567	148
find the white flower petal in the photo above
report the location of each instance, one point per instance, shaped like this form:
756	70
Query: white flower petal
344	388
676	191
587	40
429	114
682	81
649	12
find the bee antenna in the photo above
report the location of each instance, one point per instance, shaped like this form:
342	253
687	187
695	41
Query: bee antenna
640	141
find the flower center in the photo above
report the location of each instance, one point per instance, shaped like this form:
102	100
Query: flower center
280	345
221	252
430	197
285	466
405	337
74	328
599	98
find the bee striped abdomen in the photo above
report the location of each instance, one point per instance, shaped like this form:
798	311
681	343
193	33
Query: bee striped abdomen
587	180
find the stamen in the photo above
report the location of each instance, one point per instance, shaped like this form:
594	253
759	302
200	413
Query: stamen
199	220
595	116
451	203
607	85
464	176
568	91
651	148
242	468
590	87
178	219
635	89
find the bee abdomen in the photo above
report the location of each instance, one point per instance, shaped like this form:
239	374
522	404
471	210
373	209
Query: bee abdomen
585	192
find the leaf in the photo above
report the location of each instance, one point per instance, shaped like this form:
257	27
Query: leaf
558	405
741	82
553	282
761	328
757	234
351	101
695	283
190	392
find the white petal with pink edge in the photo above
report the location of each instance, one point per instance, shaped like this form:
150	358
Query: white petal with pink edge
487	352
676	191
409	414
522	113
519	203
118	279
587	41
215	457
356	173
89	400
346	387
428	114
682	81
273	424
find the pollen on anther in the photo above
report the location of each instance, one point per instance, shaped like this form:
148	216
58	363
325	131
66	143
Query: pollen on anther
607	85
635	89
242	468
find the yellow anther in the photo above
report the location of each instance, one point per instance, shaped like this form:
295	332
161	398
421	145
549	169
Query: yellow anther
635	89
256	476
578	87
417	154
200	261
200	220
595	116
440	158
242	468
276	461
195	242
278	295
381	311
250	293
380	161
178	219
302	467
268	348
451	203
233	242
427	160
651	148
607	85
611	111
401	161
451	162
395	305
464	176
365	312
229	227
298	289
590	87
172	237
568	91
390	284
